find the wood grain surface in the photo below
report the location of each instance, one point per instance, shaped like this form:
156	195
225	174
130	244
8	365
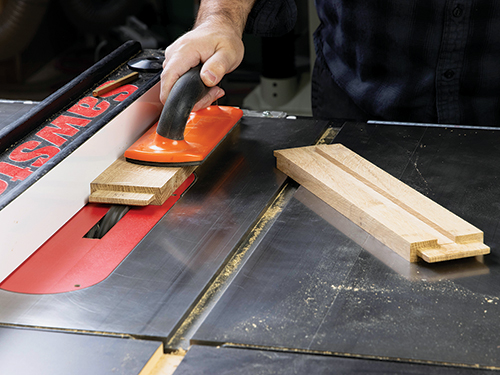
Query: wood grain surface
138	185
408	222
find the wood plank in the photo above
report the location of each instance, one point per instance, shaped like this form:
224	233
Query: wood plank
406	221
441	219
139	185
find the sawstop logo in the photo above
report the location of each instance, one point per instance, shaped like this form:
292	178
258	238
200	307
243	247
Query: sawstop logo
40	146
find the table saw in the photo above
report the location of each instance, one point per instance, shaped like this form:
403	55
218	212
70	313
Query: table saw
243	269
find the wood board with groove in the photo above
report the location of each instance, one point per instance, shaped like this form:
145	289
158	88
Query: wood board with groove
137	185
406	221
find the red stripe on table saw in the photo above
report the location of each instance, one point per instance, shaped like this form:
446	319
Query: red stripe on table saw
69	262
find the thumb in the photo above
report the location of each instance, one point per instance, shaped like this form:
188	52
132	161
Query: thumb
210	78
214	69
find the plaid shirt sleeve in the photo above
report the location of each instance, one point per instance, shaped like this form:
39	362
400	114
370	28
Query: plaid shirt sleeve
272	18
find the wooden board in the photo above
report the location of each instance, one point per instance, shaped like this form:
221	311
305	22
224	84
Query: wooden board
138	185
408	222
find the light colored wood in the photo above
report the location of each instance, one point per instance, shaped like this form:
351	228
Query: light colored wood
422	207
122	197
400	217
408	270
104	89
139	185
167	364
153	361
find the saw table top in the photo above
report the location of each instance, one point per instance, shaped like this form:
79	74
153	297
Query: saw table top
311	283
150	293
319	284
227	360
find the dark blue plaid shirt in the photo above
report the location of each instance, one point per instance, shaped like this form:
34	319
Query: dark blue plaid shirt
409	60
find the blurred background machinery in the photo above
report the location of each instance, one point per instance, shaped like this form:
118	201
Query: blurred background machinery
46	43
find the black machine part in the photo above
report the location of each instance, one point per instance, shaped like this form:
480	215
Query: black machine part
108	221
151	64
19	22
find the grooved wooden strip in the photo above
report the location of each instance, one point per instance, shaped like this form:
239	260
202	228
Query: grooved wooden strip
453	251
365	207
118	197
132	184
370	198
441	219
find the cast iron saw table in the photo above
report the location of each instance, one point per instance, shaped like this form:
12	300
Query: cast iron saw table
248	269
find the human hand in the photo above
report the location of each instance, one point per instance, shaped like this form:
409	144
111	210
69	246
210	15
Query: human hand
217	46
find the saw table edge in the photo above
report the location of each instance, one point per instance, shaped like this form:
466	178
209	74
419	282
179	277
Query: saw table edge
406	221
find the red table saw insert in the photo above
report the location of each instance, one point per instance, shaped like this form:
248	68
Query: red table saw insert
69	262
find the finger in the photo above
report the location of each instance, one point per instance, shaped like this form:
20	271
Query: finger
169	77
167	82
214	94
173	69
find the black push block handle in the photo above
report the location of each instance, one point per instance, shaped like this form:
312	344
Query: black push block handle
185	93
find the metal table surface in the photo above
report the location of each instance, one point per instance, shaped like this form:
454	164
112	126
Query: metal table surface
158	284
318	284
315	286
28	352
223	360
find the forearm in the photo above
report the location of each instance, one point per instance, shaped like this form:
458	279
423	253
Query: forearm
233	13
